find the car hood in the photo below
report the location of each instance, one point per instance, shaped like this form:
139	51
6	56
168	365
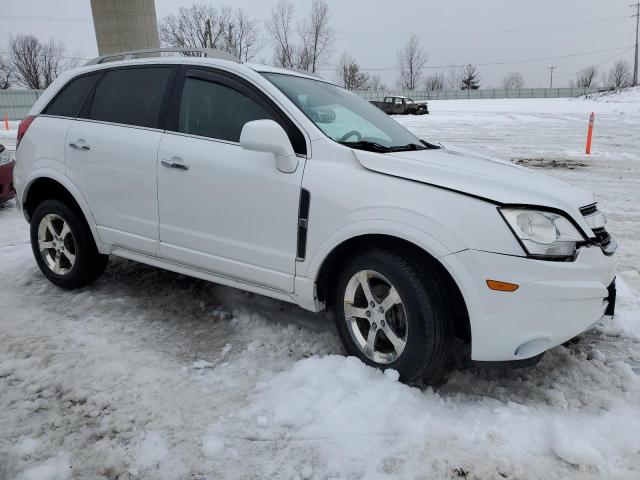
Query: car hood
488	178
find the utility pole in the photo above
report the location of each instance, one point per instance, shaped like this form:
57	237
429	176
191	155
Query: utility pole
635	59
551	69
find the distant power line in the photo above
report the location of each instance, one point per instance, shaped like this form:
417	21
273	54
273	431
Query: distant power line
68	57
611	59
52	19
427	33
505	62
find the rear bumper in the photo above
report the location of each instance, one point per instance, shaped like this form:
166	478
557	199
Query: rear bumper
6	182
555	301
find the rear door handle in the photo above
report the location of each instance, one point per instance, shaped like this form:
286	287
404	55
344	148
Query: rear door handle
173	164
80	145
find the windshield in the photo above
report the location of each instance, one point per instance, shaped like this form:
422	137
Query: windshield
345	117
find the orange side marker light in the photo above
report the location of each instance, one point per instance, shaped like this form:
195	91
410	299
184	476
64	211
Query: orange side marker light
502	286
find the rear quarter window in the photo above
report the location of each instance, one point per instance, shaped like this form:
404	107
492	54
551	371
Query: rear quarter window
69	101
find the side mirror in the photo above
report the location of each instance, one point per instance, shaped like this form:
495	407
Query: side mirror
269	137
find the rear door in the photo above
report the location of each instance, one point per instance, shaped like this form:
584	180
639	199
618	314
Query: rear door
111	154
223	208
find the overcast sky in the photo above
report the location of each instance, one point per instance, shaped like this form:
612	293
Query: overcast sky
479	32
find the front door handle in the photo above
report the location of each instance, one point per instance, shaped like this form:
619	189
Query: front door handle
173	164
80	145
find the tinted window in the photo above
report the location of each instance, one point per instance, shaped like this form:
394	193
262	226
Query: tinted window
213	110
131	96
70	99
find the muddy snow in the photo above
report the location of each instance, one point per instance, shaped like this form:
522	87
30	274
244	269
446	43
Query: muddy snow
151	374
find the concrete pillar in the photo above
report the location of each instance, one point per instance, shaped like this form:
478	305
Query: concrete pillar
123	25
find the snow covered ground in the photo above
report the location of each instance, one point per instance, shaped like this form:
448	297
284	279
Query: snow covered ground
150	374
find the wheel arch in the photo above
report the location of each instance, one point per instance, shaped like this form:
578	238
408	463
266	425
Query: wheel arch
328	270
51	186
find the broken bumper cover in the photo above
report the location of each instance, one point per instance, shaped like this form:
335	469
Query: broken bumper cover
555	301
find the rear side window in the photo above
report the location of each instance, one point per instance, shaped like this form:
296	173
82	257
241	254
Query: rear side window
210	109
69	101
131	96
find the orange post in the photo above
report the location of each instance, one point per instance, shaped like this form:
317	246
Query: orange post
6	121
592	117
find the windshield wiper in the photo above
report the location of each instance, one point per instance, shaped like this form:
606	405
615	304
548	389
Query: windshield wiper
407	147
367	145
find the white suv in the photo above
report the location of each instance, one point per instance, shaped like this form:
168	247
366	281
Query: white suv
286	185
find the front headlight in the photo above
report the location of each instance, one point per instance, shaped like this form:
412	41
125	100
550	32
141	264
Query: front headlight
543	234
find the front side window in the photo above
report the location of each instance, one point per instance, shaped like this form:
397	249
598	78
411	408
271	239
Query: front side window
398	101
69	101
343	116
210	109
131	96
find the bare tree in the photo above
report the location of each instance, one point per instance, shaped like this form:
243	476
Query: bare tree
203	26
453	78
280	32
512	81
239	33
470	77
410	63
193	27
316	36
6	73
586	77
349	75
620	75
434	83
33	63
376	84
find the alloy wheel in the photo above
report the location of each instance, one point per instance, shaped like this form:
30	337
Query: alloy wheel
56	244
375	316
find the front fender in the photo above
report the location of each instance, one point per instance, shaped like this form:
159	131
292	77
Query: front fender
308	271
394	228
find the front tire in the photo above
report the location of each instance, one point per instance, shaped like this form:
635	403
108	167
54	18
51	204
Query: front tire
392	313
63	246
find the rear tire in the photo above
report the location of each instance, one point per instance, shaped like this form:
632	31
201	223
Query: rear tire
63	246
417	315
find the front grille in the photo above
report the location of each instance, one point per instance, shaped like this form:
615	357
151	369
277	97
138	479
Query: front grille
589	210
602	237
596	221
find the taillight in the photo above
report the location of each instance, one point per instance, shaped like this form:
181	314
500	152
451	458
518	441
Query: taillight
22	128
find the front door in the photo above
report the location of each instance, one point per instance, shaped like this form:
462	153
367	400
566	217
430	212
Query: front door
222	208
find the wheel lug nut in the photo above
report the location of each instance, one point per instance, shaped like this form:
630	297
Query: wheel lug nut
381	310
372	304
374	326
368	313
382	323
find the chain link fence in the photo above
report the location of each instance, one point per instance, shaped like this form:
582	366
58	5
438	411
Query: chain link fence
420	95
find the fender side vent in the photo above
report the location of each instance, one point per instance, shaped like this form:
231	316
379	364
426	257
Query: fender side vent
303	224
